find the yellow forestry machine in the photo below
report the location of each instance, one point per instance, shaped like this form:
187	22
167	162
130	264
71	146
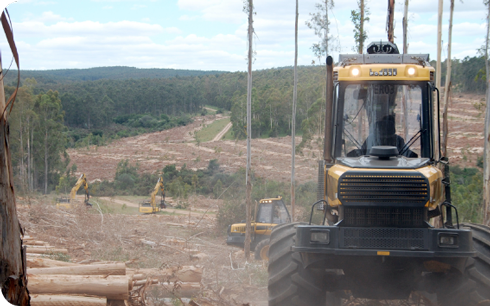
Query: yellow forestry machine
388	227
269	213
67	202
150	207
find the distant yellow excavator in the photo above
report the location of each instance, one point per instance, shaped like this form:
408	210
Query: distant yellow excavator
150	207
66	202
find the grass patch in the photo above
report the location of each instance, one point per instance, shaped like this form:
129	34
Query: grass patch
230	135
210	131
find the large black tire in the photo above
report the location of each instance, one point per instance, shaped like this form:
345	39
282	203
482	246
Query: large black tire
473	288
290	284
262	250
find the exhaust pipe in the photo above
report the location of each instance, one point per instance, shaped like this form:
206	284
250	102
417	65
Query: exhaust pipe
327	148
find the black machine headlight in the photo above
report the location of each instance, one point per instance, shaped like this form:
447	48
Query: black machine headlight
322	236
448	240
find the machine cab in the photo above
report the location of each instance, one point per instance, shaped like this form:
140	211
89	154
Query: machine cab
272	211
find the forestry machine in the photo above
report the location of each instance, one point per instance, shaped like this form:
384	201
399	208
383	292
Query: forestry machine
67	202
269	213
150	207
387	227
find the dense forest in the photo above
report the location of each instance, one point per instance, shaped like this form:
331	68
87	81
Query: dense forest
58	109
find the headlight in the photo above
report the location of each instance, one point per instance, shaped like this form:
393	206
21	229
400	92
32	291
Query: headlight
448	240
320	237
411	71
355	72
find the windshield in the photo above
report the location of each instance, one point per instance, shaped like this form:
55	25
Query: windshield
381	115
273	213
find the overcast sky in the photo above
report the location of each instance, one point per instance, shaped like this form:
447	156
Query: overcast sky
212	34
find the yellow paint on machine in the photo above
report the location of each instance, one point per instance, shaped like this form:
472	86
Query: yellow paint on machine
383	253
433	175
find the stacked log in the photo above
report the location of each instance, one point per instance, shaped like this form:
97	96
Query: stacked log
52	282
170	282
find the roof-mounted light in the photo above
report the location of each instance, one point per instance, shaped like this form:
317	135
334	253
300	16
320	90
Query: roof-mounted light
355	72
411	71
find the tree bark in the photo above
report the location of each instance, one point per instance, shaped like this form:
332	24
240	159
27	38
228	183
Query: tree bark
66	300
486	153
46	251
103	269
113	286
46	263
361	28
12	258
448	83
249	132
293	121
390	29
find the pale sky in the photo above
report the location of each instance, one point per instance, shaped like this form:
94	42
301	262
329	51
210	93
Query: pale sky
212	34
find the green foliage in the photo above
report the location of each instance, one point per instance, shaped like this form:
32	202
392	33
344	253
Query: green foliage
467	75
467	193
320	23
355	16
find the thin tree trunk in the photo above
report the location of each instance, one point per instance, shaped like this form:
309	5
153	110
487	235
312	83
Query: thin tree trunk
12	258
439	44
448	83
293	121
486	154
46	161
390	29
249	130
405	28
361	28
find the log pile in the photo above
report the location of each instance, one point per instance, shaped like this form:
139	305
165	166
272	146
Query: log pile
53	282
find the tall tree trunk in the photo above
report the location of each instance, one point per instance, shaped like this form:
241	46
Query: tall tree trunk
486	154
249	130
390	29
46	161
12	258
293	121
405	28
439	43
361	28
448	84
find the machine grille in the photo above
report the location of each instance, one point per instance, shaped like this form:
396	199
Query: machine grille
407	189
366	216
384	238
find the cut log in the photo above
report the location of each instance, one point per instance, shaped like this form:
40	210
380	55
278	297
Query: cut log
113	287
104	269
66	300
183	274
143	282
46	251
34	242
46	263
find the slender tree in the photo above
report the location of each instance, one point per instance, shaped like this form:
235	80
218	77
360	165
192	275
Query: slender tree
358	17
13	276
320	23
293	123
249	8
439	43
405	27
486	154
390	27
447	86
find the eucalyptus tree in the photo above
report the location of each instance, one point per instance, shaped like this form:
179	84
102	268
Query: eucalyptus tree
358	17
486	154
320	23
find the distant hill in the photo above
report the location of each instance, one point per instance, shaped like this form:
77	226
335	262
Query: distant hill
60	76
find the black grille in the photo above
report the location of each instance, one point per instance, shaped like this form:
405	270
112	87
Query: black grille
410	189
383	238
383	216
